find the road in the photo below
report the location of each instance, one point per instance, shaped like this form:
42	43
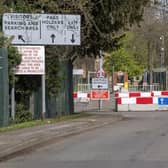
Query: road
140	141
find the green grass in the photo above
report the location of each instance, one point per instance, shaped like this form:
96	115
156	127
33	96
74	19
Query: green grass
42	122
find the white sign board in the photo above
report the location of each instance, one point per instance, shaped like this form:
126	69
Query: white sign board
33	60
42	29
99	83
78	72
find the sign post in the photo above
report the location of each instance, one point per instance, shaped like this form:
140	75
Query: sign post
33	63
41	29
43	97
101	64
100	90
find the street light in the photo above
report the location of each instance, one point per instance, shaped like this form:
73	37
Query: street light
162	50
162	58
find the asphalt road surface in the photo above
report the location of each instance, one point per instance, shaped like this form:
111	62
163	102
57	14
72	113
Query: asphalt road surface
141	141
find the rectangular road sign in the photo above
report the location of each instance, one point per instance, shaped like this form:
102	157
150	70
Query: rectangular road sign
42	29
100	83
33	60
163	100
100	95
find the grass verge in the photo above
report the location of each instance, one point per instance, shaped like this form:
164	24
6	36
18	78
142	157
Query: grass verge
34	123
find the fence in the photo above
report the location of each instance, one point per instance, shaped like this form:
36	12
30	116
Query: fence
84	88
153	87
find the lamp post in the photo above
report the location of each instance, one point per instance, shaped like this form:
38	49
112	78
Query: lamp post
162	59
162	50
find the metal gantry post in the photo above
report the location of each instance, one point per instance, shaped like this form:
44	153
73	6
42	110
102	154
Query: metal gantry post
4	88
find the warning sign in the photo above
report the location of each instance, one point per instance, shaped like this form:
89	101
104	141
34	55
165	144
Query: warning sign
100	95
33	61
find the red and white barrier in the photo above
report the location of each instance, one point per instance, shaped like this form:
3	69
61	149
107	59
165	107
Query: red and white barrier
160	93
137	100
140	101
142	94
81	97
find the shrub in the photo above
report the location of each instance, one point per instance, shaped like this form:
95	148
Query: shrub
22	115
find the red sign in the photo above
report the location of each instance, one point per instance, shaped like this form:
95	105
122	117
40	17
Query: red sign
100	95
102	72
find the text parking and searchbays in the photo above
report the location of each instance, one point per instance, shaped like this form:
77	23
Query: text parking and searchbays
42	29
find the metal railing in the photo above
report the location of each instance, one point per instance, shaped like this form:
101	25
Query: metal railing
153	87
84	88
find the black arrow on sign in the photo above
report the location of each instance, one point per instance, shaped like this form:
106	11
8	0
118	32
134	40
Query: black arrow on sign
72	40
20	37
99	86
52	37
